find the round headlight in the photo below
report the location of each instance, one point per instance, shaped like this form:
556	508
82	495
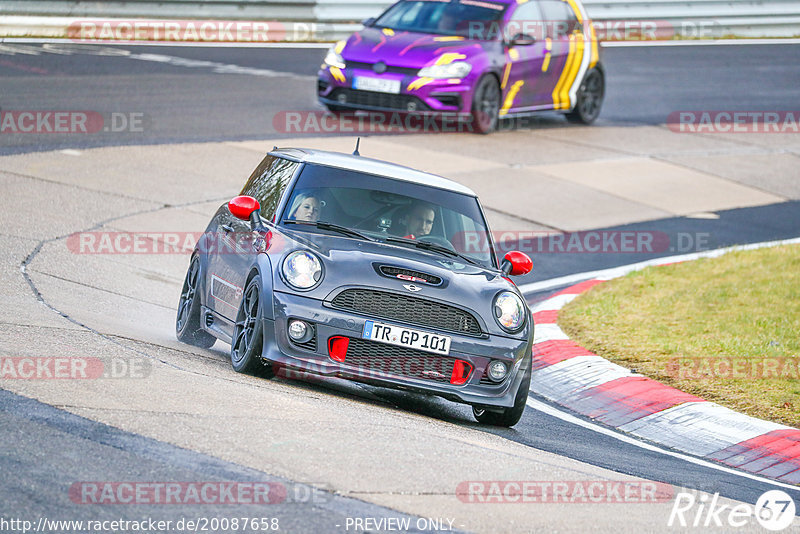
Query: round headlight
509	310
302	269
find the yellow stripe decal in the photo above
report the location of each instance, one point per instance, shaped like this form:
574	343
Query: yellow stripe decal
548	45
564	72
338	74
512	94
505	76
573	72
388	31
418	83
449	57
446	38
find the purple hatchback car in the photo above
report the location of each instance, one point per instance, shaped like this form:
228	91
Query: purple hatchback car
481	60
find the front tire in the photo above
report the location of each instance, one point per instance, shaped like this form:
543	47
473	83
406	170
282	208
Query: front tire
248	334
509	416
486	105
187	324
590	98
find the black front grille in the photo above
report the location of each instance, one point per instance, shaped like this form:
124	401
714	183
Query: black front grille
372	359
389	68
374	99
449	100
485	380
409	310
396	272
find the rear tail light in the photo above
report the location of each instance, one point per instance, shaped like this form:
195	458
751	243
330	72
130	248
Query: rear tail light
337	348
461	372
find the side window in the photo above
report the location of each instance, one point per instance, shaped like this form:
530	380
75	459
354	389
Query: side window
528	20
268	182
561	20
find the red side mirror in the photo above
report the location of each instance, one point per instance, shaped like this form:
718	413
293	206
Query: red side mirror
242	207
517	263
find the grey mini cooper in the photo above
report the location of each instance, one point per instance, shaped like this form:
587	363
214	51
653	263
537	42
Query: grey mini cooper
340	265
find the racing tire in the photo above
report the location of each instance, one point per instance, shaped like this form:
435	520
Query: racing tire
509	416
188	328
486	105
248	334
590	98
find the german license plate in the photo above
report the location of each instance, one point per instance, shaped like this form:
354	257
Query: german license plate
406	337
379	85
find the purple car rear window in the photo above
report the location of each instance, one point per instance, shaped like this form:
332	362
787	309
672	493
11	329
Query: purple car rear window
442	17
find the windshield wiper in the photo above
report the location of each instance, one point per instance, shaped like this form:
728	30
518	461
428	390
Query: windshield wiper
426	245
333	227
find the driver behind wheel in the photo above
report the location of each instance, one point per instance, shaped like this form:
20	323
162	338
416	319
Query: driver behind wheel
419	220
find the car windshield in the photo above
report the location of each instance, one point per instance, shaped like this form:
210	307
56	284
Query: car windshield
360	205
466	18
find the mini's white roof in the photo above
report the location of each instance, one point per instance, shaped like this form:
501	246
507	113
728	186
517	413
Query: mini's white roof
371	166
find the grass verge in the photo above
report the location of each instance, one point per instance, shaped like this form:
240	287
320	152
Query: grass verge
726	329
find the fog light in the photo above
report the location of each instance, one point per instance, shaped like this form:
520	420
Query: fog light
299	331
342	98
497	370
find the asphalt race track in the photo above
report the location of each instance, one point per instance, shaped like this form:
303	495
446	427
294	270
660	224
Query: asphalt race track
338	451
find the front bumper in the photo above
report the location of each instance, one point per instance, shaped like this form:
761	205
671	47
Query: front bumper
417	95
478	390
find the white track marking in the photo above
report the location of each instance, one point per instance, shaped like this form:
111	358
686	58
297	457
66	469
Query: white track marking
700	428
615	272
34	40
697	42
569	418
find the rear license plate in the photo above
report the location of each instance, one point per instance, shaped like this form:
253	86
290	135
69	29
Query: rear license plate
379	85
406	337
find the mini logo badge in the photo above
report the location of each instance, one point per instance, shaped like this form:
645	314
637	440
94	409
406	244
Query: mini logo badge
379	67
412	287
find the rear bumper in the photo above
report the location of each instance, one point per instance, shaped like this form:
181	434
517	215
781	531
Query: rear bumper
281	352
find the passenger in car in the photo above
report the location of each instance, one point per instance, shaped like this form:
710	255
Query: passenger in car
307	207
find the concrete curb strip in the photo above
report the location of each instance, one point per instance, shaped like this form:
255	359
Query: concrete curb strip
575	378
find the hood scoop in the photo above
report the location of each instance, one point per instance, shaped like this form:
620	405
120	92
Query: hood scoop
408	275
